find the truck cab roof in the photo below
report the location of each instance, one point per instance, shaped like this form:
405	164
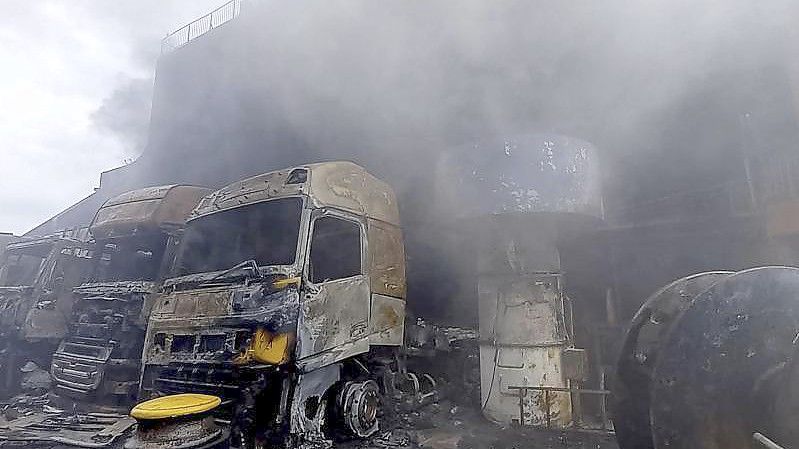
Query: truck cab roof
151	209
39	246
340	184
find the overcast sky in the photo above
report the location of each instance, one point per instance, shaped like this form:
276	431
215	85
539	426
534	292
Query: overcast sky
65	64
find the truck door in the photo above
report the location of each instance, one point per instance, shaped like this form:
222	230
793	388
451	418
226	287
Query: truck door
334	312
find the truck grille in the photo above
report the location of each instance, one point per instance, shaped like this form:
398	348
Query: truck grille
227	381
85	369
79	364
186	378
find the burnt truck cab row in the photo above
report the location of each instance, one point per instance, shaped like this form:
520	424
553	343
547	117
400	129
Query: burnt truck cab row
271	313
83	300
36	281
287	301
135	235
102	291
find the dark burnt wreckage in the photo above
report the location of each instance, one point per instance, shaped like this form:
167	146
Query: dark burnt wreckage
94	372
283	321
135	234
288	303
36	278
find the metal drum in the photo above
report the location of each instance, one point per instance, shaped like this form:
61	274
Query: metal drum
642	346
181	421
721	375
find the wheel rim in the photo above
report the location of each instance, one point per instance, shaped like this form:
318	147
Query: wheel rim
361	408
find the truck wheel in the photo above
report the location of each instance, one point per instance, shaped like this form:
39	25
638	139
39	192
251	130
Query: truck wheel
360	407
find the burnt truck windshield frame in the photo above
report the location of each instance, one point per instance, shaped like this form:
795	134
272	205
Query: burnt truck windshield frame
133	258
267	232
21	268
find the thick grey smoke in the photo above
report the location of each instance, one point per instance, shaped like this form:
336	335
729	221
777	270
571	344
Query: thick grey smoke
658	87
126	113
674	95
61	59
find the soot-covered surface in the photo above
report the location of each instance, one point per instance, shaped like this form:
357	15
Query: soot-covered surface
33	422
445	425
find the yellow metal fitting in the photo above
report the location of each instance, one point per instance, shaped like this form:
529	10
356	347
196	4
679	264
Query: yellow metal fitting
267	348
283	283
175	405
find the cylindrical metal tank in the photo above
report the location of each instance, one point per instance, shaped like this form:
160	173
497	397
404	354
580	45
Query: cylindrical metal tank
513	202
522	173
524	319
710	361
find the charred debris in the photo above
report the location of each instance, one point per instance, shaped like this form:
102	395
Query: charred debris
473	296
75	311
273	312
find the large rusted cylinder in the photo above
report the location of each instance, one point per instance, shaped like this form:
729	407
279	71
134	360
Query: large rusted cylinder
642	345
512	203
725	369
526	324
719	376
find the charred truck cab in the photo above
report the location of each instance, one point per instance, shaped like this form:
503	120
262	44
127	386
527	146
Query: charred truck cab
36	281
288	302
135	234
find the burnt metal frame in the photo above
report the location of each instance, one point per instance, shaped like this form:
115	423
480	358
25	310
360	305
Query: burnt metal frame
327	211
521	393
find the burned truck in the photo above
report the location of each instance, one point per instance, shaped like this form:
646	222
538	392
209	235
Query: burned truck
135	234
288	303
36	278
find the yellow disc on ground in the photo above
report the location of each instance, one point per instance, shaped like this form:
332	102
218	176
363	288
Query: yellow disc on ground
175	405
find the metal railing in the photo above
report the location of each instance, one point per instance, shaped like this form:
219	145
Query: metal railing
577	415
200	26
